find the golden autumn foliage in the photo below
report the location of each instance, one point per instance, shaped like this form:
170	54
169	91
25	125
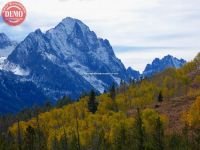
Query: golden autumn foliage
192	116
104	122
115	118
150	116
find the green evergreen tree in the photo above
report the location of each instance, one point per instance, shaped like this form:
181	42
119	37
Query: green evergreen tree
113	97
2	143
63	102
92	104
74	142
160	97
76	135
120	139
40	137
10	141
139	131
19	136
47	106
30	138
158	135
113	92
101	144
64	142
55	144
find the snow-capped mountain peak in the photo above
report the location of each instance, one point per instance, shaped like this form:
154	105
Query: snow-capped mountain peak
69	54
67	60
3	38
6	47
159	65
133	74
5	42
177	63
71	23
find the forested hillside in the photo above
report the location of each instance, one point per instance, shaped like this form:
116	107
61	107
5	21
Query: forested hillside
162	112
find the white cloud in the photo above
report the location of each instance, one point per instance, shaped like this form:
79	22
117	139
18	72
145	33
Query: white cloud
123	22
146	23
138	58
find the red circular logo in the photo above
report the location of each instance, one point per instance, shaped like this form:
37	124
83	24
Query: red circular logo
13	13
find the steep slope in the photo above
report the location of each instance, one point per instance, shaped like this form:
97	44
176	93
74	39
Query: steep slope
181	88
16	94
135	112
6	45
133	74
4	41
159	65
67	60
35	56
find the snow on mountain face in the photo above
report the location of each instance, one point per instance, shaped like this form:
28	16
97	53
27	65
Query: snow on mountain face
64	60
73	41
15	69
159	65
133	74
4	41
67	60
6	45
2	59
7	50
16	94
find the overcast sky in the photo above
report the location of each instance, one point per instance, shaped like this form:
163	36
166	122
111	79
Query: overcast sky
138	30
